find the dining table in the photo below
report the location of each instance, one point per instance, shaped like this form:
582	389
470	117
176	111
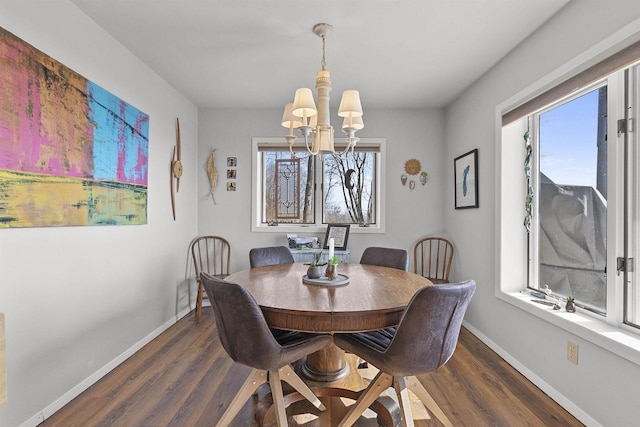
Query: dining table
362	298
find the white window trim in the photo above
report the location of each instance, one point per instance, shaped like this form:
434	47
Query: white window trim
256	197
510	246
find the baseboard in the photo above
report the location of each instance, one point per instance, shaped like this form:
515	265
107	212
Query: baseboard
559	398
88	382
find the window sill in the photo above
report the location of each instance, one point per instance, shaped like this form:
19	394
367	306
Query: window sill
286	228
617	340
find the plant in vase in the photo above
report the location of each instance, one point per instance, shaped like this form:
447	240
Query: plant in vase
315	268
332	268
570	305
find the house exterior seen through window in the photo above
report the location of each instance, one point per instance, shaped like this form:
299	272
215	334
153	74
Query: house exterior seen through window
572	198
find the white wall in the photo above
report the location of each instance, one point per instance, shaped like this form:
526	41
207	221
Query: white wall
602	389
409	134
79	299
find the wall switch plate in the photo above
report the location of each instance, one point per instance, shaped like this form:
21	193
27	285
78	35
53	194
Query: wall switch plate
572	352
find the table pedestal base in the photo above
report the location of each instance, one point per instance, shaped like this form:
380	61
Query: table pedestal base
326	366
337	397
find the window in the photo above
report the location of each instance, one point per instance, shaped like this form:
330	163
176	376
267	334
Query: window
296	191
584	234
569	244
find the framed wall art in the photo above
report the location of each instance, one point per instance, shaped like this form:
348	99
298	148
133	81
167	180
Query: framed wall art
71	153
465	170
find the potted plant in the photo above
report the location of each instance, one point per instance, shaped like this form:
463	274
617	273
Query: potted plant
332	268
315	268
570	305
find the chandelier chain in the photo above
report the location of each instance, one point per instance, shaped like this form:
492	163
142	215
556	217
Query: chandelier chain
324	51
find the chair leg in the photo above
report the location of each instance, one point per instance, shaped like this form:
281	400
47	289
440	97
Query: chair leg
400	386
278	398
379	384
289	376
199	302
251	384
418	389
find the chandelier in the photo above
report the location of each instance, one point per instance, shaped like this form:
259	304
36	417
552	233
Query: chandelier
314	124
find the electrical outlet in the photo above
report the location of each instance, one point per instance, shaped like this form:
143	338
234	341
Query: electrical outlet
572	352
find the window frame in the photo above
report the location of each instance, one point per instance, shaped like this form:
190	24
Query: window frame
318	227
533	119
631	202
609	333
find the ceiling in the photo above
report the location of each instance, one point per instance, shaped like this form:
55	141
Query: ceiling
255	53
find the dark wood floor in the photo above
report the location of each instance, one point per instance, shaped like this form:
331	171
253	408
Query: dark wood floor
184	378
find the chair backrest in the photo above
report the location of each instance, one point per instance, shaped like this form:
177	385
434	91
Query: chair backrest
211	254
432	257
271	255
386	257
241	326
427	334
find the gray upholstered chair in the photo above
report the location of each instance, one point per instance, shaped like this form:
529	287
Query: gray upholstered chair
424	340
386	257
247	339
211	255
432	258
271	255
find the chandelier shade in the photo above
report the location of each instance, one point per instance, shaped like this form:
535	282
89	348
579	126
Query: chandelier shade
350	104
313	123
289	121
303	104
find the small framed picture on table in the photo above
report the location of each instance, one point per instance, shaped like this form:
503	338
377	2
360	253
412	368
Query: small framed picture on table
340	235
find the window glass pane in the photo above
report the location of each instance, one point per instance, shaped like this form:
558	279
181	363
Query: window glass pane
572	201
349	188
288	188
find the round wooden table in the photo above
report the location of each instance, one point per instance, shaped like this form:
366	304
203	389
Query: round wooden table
374	298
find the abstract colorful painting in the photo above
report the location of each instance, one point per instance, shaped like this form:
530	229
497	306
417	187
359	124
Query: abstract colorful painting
71	153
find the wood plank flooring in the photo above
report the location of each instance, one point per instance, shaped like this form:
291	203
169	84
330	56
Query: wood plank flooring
184	378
